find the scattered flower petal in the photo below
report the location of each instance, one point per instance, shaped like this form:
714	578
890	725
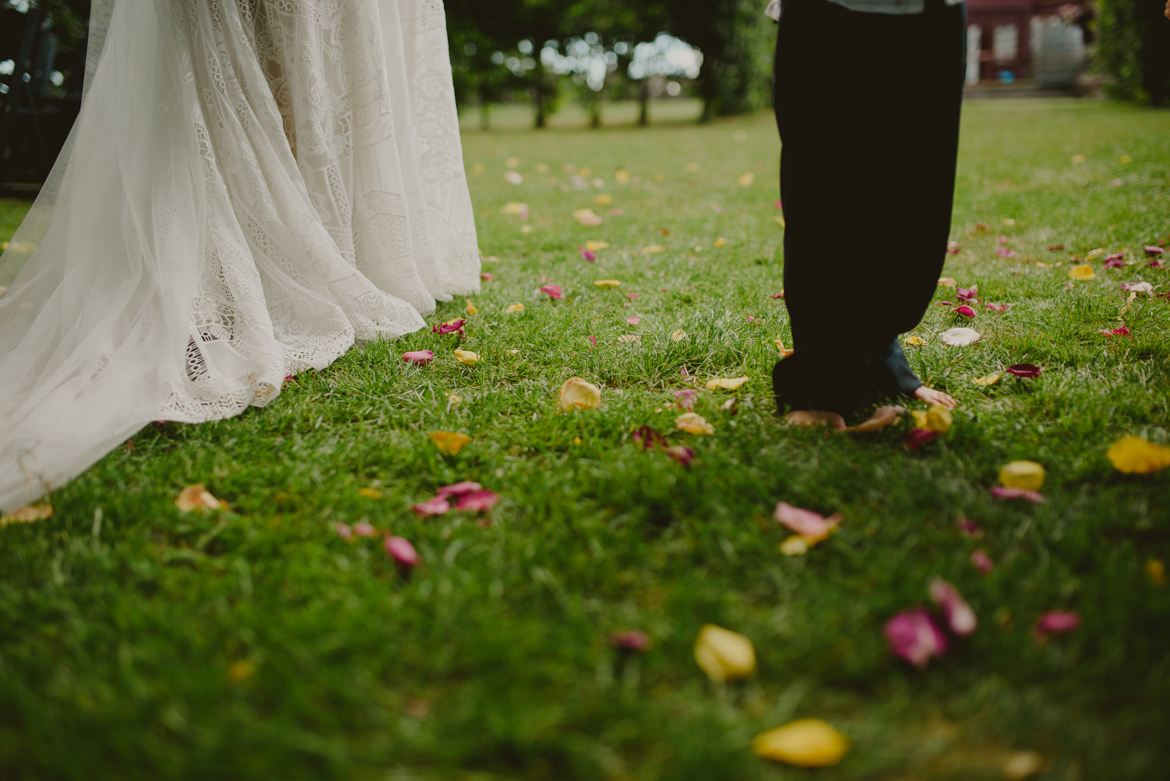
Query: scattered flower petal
651	249
587	254
724	655
812	526
607	283
466	357
1004	252
628	338
419	357
193	498
370	493
592	341
1083	271
1153	251
720	242
1028	371
343	530
458	489
437	506
918	437
552	291
1138	287
946	282
649	438
677	335
471	310
631	640
981	560
795	545
633	320
967	294
1023	764
997	307
685	399
958	614
515	308
513	177
449	443
400	549
726	384
455	326
680	453
596	246
936	418
1156	572
478	501
1000	492
693	423
587	218
914	636
1055	247
779	342
915	341
1123	331
746	180
1057	622
577	394
813	417
1137	456
364	529
512	207
1022	474
803	743
969	529
960	337
990	379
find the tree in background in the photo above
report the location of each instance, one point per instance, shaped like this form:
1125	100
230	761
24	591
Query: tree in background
1134	48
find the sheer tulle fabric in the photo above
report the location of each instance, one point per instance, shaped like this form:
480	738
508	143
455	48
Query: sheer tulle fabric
251	186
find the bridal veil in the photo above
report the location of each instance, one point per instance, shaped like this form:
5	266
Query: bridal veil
250	187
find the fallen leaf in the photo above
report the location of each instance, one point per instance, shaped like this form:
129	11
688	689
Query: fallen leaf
1029	371
515	308
577	394
419	357
803	743
437	506
914	636
370	493
812	526
449	443
607	283
1082	272
1001	492
693	423
981	560
960	337
477	501
990	379
1137	456
466	357
552	291
400	549
958	614
40	512
814	417
724	655
196	498
726	384
881	417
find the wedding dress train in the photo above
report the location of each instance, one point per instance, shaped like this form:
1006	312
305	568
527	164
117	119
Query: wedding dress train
250	187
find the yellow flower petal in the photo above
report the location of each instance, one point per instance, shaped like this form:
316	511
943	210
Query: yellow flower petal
196	497
621	176
1022	474
693	423
1084	271
915	340
794	546
594	246
512	207
605	199
370	493
1156	572
471	310
724	655
241	670
677	335
720	242
449	443
1136	456
781	223
515	308
607	283
650	249
29	514
938	418
726	384
746	180
466	357
990	379
804	743
576	394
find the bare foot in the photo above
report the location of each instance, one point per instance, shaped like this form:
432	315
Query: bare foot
932	396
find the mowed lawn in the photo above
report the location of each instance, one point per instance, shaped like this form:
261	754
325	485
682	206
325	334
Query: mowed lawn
140	642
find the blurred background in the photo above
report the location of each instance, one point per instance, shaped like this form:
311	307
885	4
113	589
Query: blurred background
536	63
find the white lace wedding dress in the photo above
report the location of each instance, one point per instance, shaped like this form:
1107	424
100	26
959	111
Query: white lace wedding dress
251	186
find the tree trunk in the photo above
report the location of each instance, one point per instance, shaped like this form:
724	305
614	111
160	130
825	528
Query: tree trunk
485	111
644	103
540	118
595	115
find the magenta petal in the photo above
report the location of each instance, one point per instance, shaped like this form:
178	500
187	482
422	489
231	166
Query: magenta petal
365	529
965	311
914	636
969	528
967	294
1057	621
343	530
436	506
981	561
482	500
959	615
804	522
777	296
918	437
685	399
996	307
1153	251
588	255
649	438
630	641
402	551
682	454
1026	370
455	326
633	296
553	291
1001	492
458	489
419	357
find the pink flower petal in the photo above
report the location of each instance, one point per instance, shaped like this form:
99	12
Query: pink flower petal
592	340
1005	253
914	636
1153	251
806	523
981	561
633	296
958	614
649	438
682	454
630	641
1025	370
587	254
634	320
981	226
777	296
1003	239
997	307
685	399
486	277
400	549
965	311
479	501
458	489
419	357
1154	263
953	247
1057	622
967	294
455	326
343	530
436	506
1123	331
778	205
918	437
553	291
969	529
365	529
1000	492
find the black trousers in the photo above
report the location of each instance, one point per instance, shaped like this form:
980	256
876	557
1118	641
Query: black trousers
868	110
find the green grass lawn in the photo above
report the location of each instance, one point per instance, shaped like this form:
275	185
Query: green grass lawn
138	642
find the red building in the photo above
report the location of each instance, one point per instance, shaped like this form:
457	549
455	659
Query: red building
1008	36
